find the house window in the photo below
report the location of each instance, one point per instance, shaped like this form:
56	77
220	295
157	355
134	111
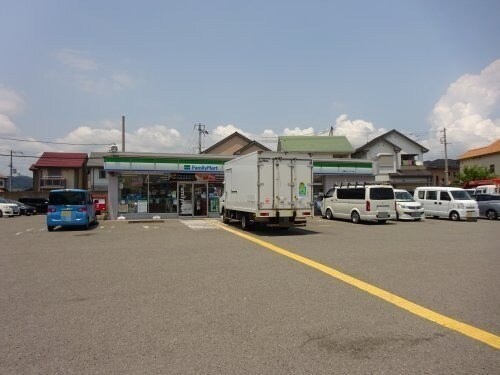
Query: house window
492	168
386	161
1	183
102	174
52	172
408	160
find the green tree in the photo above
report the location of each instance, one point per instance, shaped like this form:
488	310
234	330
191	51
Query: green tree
474	172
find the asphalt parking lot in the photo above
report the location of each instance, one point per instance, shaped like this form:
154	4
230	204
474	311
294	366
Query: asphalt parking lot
190	296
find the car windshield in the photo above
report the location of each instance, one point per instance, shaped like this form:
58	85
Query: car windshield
461	195
404	196
67	197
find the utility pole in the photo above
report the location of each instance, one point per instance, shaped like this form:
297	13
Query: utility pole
201	131
11	166
443	141
123	133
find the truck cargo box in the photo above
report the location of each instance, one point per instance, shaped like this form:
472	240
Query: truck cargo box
274	188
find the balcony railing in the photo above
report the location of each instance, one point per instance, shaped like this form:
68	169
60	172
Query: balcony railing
52	182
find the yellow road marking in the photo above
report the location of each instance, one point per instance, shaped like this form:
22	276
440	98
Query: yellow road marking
463	328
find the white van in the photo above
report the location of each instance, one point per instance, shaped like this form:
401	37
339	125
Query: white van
447	202
360	203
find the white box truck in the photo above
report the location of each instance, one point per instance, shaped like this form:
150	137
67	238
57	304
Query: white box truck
273	188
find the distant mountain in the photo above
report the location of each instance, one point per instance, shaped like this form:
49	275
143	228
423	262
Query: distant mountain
21	183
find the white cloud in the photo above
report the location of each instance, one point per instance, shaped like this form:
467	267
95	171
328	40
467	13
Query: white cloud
156	138
7	127
10	102
76	59
469	111
299	131
358	132
222	131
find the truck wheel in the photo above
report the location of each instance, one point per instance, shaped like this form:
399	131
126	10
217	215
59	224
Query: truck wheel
225	219
329	214
454	216
244	222
355	217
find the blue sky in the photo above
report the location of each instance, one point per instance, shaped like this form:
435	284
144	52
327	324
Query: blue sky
70	69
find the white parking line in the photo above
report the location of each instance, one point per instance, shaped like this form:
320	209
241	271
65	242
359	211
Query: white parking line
199	224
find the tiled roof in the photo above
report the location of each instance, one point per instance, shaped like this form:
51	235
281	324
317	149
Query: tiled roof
234	135
439	164
494	148
61	159
310	143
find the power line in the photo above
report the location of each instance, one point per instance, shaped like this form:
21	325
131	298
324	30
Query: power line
51	157
55	143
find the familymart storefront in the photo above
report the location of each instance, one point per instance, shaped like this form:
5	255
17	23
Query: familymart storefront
170	186
141	186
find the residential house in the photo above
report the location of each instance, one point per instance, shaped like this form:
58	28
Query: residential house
488	157
235	144
97	180
3	183
399	160
319	147
60	170
332	160
437	170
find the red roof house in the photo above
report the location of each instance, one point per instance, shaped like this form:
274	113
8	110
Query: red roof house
60	170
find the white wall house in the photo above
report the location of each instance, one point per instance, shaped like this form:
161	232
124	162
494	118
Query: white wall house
398	159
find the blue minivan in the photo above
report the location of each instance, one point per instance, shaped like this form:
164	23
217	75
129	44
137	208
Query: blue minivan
70	207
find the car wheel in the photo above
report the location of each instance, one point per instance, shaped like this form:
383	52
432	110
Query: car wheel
50	228
355	217
1	213
329	214
491	214
454	216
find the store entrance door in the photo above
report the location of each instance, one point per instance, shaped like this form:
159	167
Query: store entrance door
200	201
192	199
185	198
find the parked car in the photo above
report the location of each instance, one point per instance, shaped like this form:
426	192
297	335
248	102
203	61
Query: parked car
70	208
406	206
489	205
360	203
7	208
40	204
447	202
100	205
24	209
